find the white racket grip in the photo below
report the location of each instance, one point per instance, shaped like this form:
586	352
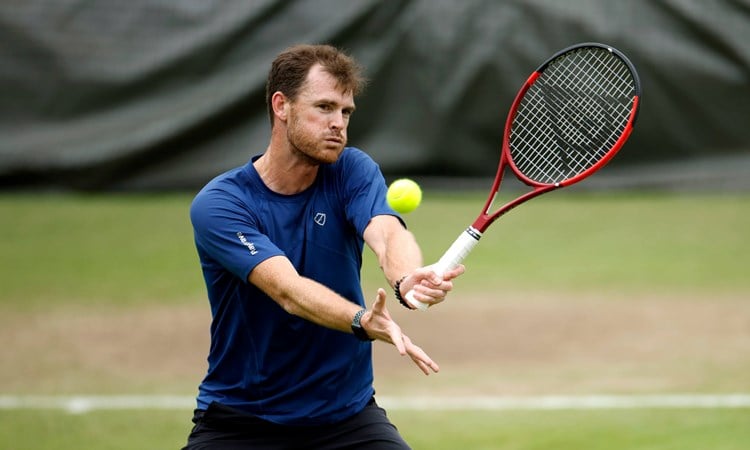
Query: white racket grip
455	254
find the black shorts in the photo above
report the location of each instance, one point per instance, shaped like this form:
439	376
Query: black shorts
223	428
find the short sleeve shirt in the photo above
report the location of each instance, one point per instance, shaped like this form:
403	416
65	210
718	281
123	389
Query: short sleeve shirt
263	360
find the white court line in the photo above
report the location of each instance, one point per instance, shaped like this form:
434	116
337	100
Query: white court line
77	404
556	402
84	403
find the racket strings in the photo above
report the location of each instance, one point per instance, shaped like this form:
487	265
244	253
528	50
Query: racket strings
572	116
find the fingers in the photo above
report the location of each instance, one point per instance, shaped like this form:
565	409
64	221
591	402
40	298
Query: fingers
435	290
420	358
400	345
380	325
431	288
380	319
455	272
429	293
379	304
429	278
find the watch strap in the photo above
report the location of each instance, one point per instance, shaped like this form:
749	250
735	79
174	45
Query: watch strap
357	329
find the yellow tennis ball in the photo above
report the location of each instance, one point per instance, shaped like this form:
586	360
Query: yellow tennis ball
404	195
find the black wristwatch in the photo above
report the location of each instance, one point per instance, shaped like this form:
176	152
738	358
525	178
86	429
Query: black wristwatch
357	329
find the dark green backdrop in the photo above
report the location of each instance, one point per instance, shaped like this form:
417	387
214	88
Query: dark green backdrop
154	94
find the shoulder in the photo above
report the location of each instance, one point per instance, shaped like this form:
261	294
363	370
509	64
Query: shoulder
353	161
224	185
355	154
228	191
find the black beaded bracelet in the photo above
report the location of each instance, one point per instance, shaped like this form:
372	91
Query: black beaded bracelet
397	292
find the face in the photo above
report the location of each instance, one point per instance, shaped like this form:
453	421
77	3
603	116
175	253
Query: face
317	120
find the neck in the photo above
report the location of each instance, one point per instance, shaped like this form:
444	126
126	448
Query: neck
285	174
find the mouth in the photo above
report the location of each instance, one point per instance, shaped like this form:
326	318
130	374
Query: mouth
335	140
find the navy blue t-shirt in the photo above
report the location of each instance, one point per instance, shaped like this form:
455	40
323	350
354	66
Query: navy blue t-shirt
263	360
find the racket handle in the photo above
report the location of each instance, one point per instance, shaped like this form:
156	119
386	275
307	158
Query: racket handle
455	254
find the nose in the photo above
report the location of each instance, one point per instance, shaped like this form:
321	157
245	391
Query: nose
338	121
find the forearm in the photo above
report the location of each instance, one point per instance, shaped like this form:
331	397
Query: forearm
400	257
303	296
317	303
395	247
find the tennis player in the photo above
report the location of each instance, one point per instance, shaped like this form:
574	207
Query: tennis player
280	243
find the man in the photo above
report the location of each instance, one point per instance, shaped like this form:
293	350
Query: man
280	242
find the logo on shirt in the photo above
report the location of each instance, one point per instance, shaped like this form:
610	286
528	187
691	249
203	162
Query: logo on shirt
320	218
250	246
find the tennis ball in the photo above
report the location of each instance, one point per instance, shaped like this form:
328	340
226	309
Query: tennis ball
404	195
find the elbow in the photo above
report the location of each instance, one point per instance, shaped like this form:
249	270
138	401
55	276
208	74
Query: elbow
286	300
291	296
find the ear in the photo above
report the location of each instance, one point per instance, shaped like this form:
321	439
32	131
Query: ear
280	104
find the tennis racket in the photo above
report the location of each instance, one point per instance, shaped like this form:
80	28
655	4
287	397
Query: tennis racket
572	115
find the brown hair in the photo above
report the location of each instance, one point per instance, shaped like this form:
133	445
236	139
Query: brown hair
289	71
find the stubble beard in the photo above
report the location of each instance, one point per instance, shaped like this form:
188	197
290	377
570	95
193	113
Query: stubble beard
310	148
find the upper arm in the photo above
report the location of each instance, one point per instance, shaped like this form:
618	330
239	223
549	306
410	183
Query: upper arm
227	234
